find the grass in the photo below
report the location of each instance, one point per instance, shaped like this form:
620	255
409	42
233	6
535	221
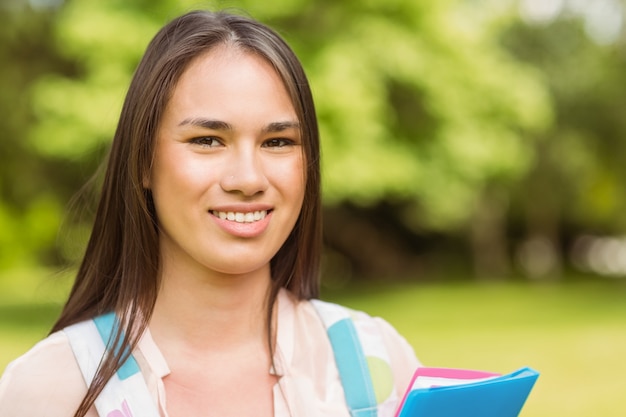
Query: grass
574	334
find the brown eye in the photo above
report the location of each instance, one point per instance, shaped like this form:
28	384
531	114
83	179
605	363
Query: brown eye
206	141
278	143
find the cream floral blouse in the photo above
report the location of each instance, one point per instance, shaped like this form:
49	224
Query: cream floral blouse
46	381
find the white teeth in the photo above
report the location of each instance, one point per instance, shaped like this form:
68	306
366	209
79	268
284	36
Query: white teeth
238	217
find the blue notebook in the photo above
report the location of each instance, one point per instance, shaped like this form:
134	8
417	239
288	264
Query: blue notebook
444	392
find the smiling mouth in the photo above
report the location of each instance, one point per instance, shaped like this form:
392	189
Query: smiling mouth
239	217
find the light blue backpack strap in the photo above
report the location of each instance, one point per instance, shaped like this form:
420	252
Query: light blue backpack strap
126	394
361	359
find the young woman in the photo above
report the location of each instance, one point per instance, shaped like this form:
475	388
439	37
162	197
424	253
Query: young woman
206	249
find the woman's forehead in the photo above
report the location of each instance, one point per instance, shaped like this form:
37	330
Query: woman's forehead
230	85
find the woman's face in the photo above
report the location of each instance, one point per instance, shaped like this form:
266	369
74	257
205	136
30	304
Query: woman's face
228	176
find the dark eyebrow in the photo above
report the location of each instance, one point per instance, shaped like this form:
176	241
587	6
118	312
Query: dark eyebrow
274	127
207	124
280	127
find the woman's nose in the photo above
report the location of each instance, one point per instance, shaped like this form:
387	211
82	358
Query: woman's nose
245	173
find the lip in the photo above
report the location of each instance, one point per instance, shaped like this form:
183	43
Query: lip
242	208
243	229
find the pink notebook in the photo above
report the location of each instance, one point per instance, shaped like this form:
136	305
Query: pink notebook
425	377
445	392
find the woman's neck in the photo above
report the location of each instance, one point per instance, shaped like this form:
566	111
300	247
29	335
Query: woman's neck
213	335
216	313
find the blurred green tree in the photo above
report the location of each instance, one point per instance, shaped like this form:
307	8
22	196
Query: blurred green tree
576	184
30	206
418	105
426	120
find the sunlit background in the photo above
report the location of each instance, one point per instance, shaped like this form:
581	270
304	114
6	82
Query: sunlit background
474	165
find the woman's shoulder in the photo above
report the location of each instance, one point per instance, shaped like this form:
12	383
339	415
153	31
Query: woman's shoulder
383	346
52	353
401	353
46	380
331	313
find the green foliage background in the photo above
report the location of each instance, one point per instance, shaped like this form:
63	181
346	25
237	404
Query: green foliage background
468	123
412	97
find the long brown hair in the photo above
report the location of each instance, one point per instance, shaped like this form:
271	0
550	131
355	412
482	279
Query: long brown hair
120	269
